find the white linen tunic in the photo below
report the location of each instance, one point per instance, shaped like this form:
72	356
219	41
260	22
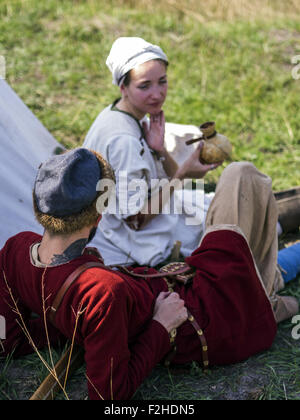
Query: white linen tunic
119	138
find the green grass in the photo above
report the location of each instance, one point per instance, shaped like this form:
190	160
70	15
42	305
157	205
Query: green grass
236	72
223	67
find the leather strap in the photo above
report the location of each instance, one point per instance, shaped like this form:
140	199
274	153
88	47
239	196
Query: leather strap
69	281
202	339
156	275
199	331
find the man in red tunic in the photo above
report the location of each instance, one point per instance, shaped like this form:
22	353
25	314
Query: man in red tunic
126	324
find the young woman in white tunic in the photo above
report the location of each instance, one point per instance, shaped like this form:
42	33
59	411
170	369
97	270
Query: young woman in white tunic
130	134
142	228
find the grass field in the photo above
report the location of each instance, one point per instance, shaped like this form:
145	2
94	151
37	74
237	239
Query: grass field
235	62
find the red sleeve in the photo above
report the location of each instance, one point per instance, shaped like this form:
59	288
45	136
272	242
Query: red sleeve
115	369
16	317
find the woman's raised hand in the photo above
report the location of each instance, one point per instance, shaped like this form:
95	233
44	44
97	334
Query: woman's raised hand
155	132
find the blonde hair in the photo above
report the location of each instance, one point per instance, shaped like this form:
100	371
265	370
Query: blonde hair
86	217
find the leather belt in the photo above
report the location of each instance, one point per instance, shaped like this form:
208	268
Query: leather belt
202	339
75	274
199	331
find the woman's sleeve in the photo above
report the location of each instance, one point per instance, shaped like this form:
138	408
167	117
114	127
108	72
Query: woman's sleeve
126	155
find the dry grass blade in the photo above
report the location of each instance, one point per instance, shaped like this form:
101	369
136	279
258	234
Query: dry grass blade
24	328
69	362
111	382
95	389
45	319
77	315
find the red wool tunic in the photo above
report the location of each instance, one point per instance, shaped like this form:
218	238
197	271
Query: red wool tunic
122	343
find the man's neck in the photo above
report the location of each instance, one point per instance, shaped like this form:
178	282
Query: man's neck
55	250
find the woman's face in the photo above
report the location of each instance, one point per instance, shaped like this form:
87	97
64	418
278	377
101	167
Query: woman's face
147	90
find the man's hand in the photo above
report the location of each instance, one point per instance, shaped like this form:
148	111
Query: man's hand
169	310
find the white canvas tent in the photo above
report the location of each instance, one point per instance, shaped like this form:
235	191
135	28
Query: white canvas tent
25	143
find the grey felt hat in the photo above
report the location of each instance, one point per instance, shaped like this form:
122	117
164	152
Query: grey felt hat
66	184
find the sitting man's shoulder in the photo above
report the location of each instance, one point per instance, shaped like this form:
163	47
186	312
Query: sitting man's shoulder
24	238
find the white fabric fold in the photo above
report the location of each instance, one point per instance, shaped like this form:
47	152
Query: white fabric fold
129	52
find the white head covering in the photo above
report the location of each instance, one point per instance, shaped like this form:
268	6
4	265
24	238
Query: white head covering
127	53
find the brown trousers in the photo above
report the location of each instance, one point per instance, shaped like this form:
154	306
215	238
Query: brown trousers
244	198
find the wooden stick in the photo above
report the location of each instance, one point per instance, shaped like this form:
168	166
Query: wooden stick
176	251
50	386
